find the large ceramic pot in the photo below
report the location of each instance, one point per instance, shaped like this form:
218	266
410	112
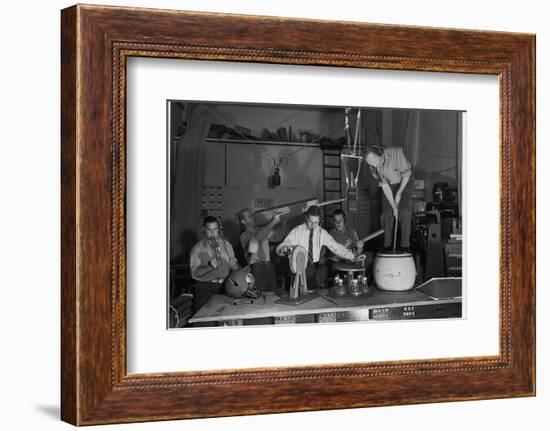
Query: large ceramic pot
394	271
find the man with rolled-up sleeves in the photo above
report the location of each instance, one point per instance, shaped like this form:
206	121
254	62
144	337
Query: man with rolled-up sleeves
211	261
313	237
392	170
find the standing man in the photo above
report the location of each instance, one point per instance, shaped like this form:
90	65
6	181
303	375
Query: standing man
255	243
211	261
392	170
312	237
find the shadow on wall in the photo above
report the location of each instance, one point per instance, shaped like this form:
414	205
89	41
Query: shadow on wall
51	411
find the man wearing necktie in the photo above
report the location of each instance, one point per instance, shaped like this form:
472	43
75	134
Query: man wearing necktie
313	237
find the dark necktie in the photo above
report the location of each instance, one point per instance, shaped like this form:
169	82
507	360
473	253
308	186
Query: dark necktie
215	248
310	249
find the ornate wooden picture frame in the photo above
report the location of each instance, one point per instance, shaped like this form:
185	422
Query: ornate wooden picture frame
96	42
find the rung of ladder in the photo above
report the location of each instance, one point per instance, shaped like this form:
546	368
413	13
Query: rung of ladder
332	179
331	166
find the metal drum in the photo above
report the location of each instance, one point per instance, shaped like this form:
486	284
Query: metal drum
394	271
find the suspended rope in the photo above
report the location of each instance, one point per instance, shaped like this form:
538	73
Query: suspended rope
352	157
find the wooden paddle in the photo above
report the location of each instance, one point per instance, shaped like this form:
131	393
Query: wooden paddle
372	235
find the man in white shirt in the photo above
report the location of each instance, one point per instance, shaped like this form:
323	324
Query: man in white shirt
313	237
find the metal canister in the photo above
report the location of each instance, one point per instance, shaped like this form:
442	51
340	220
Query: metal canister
354	289
349	279
338	289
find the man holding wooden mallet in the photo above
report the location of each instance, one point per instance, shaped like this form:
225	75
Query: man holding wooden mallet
392	170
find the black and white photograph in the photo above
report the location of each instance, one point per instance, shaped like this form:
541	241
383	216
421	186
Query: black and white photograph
299	214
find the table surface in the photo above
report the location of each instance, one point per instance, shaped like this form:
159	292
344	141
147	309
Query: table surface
222	307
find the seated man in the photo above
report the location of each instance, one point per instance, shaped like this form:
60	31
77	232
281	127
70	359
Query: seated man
312	237
211	261
255	243
343	234
347	236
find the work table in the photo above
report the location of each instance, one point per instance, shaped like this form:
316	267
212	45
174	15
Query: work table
438	298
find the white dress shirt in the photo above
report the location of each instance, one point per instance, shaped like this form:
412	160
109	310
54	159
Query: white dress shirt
300	236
